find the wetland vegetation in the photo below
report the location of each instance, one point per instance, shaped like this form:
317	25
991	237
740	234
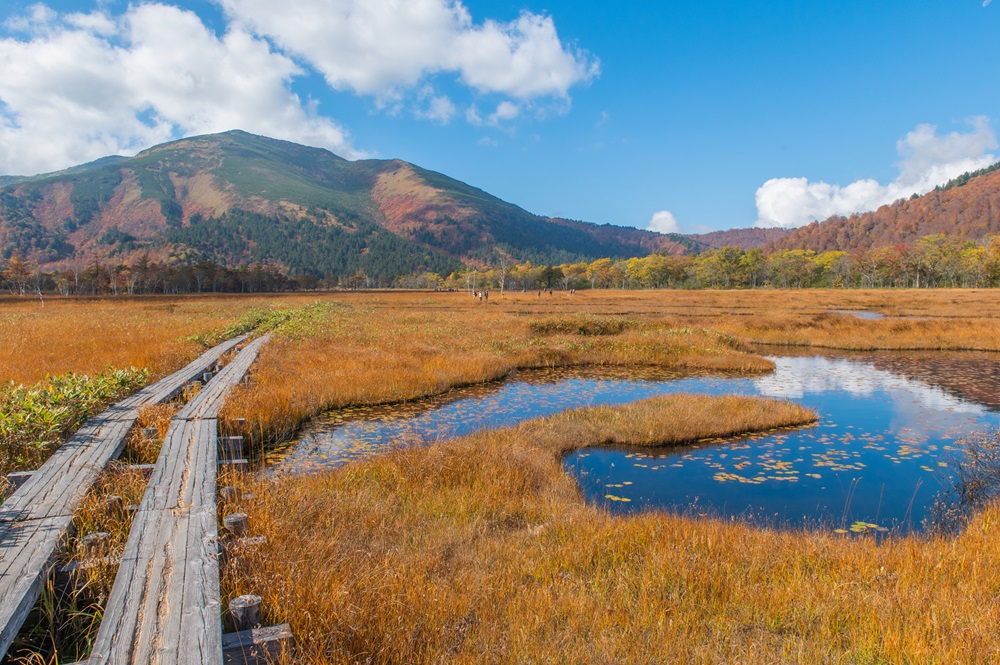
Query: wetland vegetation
482	548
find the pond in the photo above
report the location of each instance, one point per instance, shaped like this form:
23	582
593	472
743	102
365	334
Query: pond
858	313
876	459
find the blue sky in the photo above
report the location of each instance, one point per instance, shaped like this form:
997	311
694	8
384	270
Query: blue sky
715	115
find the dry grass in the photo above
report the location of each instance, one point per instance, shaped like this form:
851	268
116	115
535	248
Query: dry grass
390	347
66	618
143	449
88	335
84	335
399	347
482	550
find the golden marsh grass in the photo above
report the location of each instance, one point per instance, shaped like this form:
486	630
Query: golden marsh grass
482	549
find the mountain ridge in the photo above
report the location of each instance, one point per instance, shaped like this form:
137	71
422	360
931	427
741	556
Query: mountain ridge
236	197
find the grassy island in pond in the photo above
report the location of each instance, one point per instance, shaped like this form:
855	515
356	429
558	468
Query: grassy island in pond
481	549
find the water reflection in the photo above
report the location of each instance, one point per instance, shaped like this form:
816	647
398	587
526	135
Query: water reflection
886	434
858	313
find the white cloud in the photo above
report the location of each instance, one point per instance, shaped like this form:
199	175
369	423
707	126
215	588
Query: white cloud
926	160
90	85
77	86
986	3
504	112
439	108
664	222
36	18
384	47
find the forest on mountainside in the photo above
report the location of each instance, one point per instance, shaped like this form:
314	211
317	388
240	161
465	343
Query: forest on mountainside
934	261
967	206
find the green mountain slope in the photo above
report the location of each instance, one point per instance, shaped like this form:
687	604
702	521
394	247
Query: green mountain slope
237	198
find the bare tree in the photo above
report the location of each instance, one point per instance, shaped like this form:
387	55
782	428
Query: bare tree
503	264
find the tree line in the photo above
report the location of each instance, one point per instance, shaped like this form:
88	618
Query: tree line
933	261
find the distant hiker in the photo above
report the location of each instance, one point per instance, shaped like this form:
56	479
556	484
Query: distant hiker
487	294
539	294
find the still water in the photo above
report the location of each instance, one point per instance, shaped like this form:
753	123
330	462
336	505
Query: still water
885	442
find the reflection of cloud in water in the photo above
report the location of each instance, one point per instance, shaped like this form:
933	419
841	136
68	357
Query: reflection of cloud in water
794	378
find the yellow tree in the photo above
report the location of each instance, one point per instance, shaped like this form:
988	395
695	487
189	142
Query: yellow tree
599	273
18	272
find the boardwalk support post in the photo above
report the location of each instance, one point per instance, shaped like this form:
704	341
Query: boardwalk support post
245	612
237	524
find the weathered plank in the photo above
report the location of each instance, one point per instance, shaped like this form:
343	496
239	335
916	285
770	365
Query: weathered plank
36	518
255	646
208	402
164	606
24	558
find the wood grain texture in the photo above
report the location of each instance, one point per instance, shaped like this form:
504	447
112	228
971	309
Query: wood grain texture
164	606
35	519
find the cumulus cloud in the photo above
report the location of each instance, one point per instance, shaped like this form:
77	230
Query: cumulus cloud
927	159
435	107
91	85
504	112
384	47
77	86
664	222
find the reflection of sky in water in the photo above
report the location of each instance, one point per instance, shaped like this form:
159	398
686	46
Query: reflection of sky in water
858	313
876	455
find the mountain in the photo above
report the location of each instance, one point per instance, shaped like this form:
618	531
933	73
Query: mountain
968	206
238	198
743	238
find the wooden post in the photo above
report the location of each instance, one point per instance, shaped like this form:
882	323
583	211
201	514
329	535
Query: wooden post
145	469
246	612
237	524
230	448
18	478
94	542
114	504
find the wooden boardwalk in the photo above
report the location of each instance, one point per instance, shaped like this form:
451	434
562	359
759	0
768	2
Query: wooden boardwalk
164	606
35	520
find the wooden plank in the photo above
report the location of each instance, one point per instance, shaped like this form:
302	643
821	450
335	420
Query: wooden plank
36	518
26	556
18	478
255	646
208	402
164	606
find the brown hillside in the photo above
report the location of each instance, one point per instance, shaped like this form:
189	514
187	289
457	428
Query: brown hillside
646	242
742	238
415	209
971	210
